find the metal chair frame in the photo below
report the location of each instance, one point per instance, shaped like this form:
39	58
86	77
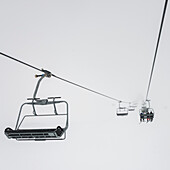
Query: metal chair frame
58	133
122	111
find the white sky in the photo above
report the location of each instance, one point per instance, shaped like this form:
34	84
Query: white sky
104	45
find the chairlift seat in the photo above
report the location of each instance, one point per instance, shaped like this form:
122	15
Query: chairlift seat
131	109
58	133
122	114
122	111
147	115
35	134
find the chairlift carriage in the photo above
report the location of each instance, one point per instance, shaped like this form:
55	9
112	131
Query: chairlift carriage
146	113
131	107
122	111
40	134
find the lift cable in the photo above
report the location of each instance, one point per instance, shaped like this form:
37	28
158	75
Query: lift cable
7	56
156	49
70	82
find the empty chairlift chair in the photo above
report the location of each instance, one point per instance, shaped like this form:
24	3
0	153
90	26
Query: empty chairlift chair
122	111
40	134
131	107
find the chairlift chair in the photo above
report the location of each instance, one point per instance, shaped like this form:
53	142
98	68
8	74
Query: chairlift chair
131	108
122	111
57	133
146	113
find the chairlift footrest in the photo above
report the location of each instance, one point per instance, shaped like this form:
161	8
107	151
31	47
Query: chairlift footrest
122	114
35	134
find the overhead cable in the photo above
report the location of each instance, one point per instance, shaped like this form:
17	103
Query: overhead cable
70	82
156	49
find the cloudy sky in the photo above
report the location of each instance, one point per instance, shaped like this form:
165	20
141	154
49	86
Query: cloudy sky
107	46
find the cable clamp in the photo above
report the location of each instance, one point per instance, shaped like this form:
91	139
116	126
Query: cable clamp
47	73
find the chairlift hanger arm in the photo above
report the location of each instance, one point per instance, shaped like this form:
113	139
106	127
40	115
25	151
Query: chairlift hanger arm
49	74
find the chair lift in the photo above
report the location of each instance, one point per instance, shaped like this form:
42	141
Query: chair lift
41	134
122	111
146	112
131	107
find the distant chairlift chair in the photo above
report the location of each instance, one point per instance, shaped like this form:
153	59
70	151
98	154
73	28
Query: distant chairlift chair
122	111
131	107
58	133
146	113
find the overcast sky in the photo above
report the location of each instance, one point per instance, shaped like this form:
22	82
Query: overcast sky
105	45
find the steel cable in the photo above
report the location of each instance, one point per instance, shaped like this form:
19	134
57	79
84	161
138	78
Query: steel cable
70	82
156	49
